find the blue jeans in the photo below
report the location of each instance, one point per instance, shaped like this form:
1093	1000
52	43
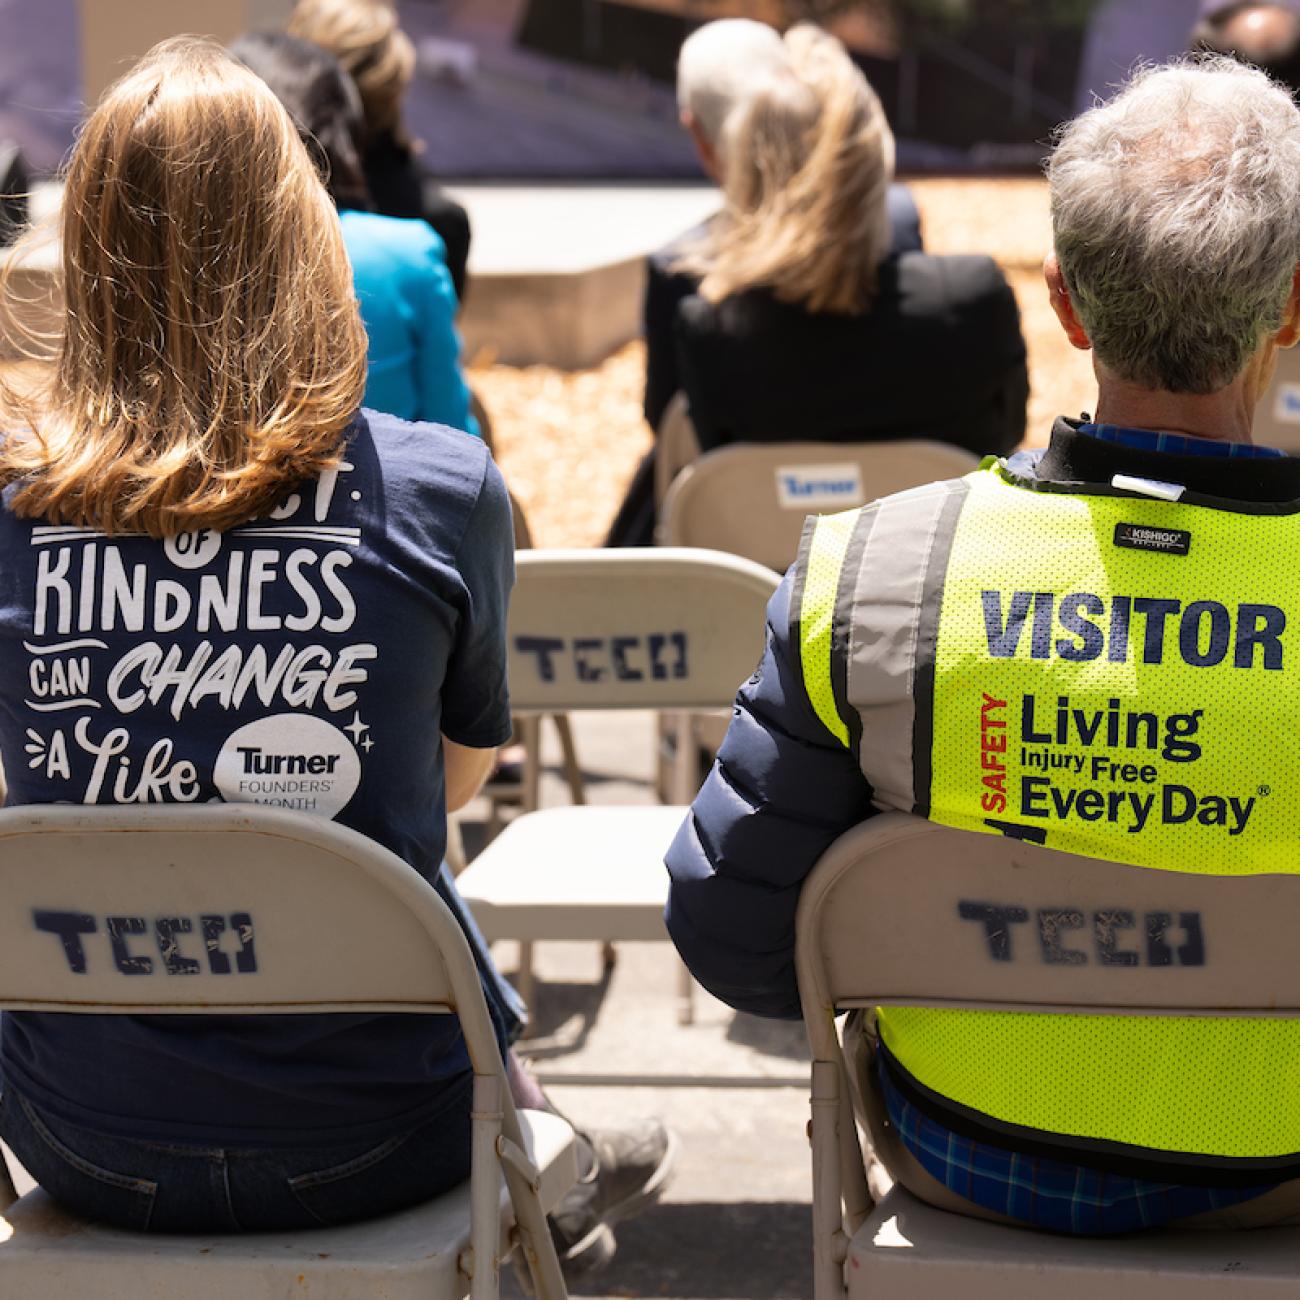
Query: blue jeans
161	1187
173	1187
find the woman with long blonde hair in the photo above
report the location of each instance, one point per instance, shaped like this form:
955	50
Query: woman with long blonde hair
220	580
806	326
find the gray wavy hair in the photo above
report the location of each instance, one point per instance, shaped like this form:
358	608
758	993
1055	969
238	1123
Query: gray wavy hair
1176	213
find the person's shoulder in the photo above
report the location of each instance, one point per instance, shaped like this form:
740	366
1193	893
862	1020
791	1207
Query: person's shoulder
405	236
959	300
954	278
423	459
754	315
663	261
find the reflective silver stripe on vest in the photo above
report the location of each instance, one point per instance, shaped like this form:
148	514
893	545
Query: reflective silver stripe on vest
891	617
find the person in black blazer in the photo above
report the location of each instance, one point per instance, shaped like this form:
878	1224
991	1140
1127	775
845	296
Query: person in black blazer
719	68
804	311
667	287
364	36
939	354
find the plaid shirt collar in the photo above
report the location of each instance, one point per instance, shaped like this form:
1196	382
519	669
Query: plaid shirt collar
1177	444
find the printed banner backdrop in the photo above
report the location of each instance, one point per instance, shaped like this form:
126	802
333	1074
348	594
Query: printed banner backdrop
583	88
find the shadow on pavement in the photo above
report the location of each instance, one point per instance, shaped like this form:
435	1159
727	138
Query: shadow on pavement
784	1038
746	1251
558	1005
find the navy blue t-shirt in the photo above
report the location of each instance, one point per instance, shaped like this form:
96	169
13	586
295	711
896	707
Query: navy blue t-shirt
310	660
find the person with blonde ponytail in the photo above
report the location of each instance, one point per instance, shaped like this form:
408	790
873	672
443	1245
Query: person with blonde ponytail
807	324
222	580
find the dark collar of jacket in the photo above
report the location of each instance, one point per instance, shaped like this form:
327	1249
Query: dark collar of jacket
1074	459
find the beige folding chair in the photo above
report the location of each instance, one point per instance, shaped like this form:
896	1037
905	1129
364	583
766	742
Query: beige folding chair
312	918
485	428
752	498
676	446
612	629
880	923
526	793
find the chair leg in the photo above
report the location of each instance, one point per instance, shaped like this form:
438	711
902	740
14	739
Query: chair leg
572	770
484	1188
455	846
494	823
530	733
8	1192
530	1220
526	984
829	1241
858	1201
685	782
685	995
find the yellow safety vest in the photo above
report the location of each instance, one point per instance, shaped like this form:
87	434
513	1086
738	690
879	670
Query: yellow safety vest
1104	673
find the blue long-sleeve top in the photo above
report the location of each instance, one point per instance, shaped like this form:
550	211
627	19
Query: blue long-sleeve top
408	305
781	791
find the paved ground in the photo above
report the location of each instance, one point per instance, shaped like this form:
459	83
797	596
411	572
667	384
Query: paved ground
735	1222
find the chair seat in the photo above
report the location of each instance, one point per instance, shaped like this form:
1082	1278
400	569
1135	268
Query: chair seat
575	874
909	1249
48	1254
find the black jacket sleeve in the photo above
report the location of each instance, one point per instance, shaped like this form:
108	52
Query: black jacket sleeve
781	791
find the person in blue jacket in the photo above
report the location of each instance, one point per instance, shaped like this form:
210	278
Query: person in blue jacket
399	267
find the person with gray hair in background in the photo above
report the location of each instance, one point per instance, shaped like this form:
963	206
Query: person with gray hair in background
721	66
1266	35
1141	567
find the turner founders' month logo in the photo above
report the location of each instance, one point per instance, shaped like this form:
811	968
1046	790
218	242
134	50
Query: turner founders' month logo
138	664
290	760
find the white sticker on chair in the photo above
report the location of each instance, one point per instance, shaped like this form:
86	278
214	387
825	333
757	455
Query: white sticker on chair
819	487
1286	406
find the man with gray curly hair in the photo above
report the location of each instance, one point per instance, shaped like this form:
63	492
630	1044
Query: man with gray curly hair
1176	216
1095	648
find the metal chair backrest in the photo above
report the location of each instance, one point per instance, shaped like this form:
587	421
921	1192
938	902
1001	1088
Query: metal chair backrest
752	498
901	911
239	908
485	428
676	445
904	911
639	628
523	534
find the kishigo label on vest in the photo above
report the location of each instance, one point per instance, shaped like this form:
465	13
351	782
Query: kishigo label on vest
819	487
1100	700
1166	541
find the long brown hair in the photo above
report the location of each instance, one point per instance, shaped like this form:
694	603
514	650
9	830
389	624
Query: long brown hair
210	353
809	158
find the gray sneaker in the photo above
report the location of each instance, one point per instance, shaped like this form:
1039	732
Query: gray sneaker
621	1171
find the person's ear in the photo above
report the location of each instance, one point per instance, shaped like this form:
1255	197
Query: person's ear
1289	333
1059	295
